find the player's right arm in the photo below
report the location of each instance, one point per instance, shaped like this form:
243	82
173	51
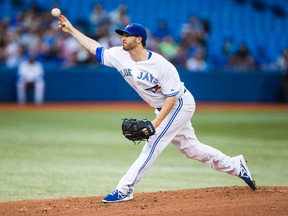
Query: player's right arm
88	43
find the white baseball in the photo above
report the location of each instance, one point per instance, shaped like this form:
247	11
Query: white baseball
55	12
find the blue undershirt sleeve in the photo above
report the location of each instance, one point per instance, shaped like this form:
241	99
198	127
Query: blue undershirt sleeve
99	54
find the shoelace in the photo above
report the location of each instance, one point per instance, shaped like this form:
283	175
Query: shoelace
119	193
114	192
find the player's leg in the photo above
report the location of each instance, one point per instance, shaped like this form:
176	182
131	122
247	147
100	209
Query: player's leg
187	142
149	153
39	91
21	91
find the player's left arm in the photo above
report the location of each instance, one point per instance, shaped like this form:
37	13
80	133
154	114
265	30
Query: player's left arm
166	108
170	88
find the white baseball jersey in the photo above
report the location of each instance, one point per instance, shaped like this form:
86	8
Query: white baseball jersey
30	71
154	79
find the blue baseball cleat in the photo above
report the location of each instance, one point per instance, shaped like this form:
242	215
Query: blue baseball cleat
118	196
245	173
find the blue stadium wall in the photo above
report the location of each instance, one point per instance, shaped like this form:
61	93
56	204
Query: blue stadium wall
106	84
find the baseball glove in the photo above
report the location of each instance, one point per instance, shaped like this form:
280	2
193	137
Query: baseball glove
137	130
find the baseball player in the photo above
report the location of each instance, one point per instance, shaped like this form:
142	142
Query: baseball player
157	82
30	72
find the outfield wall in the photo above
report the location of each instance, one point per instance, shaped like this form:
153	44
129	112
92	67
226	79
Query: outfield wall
106	84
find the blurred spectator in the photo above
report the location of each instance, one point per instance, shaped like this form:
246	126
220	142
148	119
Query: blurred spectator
72	52
226	52
152	43
192	31
119	17
180	57
193	36
49	50
30	74
97	18
168	47
262	60
283	66
13	51
195	48
4	25
197	63
242	61
161	31
283	61
229	48
105	38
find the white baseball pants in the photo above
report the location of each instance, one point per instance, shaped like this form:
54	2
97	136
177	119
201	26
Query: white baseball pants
39	86
177	128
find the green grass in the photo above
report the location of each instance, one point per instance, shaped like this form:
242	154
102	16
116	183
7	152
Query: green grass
67	154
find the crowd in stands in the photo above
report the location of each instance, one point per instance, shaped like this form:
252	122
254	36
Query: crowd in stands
36	31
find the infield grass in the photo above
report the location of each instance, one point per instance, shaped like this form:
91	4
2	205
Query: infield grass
53	154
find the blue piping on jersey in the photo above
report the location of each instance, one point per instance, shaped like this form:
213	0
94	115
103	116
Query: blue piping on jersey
99	54
172	94
159	137
149	54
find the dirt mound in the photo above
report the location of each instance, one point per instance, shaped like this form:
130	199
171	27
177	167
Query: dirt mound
207	201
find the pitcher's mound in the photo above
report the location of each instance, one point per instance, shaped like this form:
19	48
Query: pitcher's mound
205	201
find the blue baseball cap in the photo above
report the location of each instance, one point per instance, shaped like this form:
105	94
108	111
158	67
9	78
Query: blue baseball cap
134	29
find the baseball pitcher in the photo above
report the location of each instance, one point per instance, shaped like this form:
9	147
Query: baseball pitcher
157	81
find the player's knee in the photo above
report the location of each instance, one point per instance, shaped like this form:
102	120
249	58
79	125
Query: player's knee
190	149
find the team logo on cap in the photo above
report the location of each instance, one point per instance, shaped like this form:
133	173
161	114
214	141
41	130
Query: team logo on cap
128	26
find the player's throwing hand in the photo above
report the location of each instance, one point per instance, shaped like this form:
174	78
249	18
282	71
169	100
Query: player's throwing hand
64	24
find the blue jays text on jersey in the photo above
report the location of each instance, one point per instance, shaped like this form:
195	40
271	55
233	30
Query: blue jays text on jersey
148	77
145	76
126	72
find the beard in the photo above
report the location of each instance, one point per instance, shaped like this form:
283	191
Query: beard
129	46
